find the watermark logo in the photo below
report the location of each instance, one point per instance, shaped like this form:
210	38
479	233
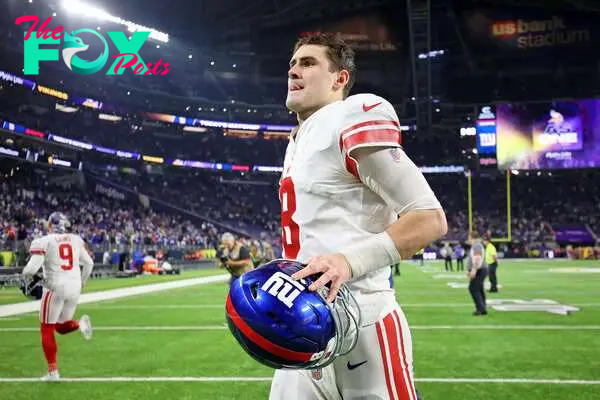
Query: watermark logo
72	44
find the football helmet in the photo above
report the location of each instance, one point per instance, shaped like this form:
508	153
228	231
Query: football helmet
282	324
33	289
59	222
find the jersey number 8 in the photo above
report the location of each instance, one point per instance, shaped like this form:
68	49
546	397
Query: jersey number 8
290	231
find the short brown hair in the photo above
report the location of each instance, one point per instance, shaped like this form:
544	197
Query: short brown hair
340	55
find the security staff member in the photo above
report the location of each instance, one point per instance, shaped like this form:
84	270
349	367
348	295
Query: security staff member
447	254
477	271
491	259
234	256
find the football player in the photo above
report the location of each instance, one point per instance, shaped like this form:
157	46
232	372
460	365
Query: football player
66	265
352	205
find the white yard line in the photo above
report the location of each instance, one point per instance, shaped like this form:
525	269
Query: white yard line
101	306
135	328
32	306
413	327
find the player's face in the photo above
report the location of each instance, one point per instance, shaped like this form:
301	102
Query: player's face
311	85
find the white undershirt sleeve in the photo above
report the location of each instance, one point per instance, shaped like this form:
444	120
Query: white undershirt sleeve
395	178
33	265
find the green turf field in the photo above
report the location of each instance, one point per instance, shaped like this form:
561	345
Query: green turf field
174	344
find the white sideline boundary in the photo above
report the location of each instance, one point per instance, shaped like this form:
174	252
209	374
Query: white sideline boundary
110	379
34	306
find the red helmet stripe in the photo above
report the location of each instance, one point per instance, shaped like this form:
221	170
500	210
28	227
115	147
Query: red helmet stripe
262	342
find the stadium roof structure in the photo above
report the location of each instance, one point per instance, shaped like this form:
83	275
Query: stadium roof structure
448	57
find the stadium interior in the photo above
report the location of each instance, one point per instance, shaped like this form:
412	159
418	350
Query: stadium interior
152	170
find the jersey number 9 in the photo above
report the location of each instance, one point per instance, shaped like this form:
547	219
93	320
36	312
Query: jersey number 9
65	252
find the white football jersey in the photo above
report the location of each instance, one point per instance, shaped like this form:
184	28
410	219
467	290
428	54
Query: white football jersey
324	205
63	255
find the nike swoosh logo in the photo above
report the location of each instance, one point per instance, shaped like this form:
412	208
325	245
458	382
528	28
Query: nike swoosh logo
368	108
353	366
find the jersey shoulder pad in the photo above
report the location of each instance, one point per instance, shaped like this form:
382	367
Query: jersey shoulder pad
367	106
369	120
39	246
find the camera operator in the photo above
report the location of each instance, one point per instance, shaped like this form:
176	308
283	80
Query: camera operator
234	256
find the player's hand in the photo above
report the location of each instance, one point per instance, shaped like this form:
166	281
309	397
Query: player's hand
334	269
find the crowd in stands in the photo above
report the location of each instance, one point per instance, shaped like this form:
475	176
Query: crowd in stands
243	202
249	203
105	224
539	204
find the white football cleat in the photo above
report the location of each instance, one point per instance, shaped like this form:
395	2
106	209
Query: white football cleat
53	376
85	326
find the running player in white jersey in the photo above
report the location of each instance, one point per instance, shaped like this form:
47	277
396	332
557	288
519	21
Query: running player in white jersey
352	205
67	265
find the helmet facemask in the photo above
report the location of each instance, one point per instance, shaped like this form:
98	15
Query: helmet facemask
347	318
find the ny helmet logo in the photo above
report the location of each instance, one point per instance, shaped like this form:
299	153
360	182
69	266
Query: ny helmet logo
283	287
128	48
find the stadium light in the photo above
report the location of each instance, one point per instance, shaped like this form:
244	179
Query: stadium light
77	7
431	54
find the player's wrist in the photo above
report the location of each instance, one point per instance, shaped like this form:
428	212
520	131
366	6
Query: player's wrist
371	254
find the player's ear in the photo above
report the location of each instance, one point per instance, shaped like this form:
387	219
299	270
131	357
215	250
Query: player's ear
342	79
